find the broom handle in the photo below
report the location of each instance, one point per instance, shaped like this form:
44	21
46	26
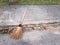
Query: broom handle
24	14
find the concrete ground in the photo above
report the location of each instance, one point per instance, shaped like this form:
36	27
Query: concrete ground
33	37
11	15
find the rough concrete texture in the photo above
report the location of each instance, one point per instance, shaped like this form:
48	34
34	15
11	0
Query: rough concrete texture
37	14
33	37
12	15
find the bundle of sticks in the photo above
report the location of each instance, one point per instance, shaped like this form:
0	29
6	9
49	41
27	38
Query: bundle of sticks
17	32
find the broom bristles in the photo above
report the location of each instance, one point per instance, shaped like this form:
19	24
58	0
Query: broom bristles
17	33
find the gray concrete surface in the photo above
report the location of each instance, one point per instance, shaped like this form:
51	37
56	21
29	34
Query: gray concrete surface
32	38
11	15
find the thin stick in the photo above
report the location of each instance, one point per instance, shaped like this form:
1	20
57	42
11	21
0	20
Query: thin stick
24	14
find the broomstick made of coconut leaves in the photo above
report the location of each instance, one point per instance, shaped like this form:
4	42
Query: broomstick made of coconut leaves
17	32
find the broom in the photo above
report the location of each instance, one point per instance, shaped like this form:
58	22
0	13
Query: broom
17	32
